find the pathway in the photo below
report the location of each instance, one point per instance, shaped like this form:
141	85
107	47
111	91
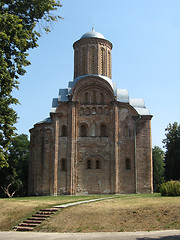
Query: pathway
155	235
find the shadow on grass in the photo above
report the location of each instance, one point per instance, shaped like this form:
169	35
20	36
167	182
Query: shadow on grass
177	237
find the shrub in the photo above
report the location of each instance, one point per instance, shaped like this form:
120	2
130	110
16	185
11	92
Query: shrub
171	188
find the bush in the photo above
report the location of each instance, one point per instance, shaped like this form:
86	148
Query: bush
171	188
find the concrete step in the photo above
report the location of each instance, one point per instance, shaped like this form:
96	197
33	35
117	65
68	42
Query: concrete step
40	215
37	218
32	221
50	210
28	224
19	228
46	213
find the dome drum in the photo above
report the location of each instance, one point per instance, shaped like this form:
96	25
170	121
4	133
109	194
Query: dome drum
92	56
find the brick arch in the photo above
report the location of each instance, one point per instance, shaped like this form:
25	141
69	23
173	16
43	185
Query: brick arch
81	111
98	163
89	163
64	130
83	129
90	83
103	128
87	111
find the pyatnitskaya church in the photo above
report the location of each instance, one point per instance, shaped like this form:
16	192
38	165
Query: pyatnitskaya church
97	140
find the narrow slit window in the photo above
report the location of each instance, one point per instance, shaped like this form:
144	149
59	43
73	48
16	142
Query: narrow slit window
64	131
102	61
92	60
94	97
127	131
128	164
109	64
103	130
83	61
63	164
89	165
102	98
83	130
98	165
86	98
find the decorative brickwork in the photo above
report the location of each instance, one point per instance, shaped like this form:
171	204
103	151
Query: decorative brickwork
92	143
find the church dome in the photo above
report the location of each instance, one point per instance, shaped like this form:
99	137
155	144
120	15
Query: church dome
92	34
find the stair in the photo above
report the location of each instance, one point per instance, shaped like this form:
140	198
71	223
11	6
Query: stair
43	214
35	220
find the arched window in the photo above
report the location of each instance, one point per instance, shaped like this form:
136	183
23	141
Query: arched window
87	111
109	64
98	164
83	130
127	131
86	98
76	63
89	165
103	130
101	98
93	111
128	164
106	111
92	60
83	61
64	131
100	110
102	61
93	130
94	97
63	164
81	111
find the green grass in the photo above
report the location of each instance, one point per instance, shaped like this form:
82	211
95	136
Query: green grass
136	212
126	212
14	210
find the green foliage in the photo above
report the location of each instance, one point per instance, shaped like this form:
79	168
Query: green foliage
17	172
171	188
18	19
172	155
158	167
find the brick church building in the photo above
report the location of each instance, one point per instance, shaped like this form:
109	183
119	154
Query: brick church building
97	140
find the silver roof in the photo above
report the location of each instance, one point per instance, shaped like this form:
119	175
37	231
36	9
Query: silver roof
92	34
139	105
137	102
63	95
122	95
46	120
142	111
65	92
71	84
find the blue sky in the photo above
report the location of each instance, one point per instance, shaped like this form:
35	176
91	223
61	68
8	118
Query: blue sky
145	58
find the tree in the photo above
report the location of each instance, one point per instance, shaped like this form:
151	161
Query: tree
158	167
18	19
172	155
14	179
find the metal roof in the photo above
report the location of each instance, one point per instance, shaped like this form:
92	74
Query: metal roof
122	95
46	120
139	106
71	84
92	34
137	102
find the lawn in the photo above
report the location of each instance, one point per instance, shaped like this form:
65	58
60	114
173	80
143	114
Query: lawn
134	212
14	210
144	212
